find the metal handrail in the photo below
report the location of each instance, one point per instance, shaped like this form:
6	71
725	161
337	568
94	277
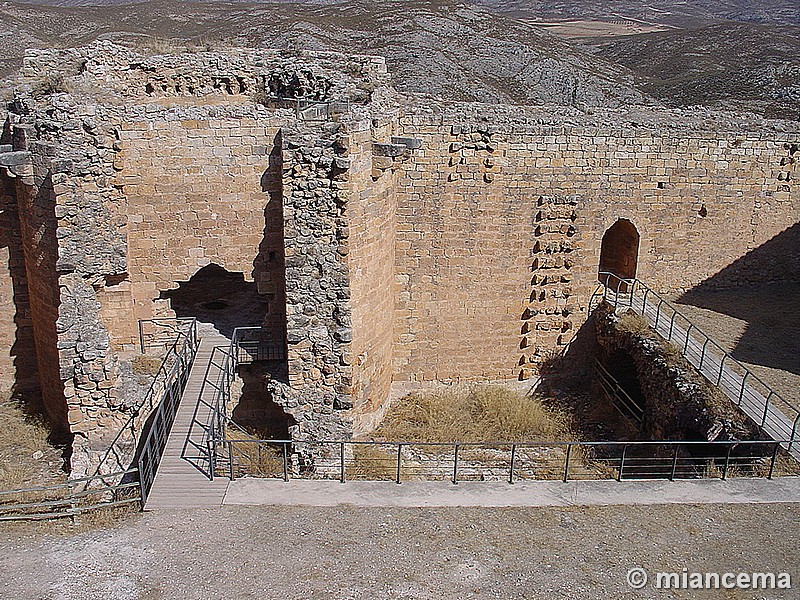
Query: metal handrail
616	392
338	467
182	358
69	500
605	292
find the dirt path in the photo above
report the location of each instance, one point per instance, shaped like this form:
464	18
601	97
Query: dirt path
372	553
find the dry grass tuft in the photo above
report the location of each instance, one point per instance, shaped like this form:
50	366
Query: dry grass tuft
23	443
145	365
474	414
634	323
254	457
375	464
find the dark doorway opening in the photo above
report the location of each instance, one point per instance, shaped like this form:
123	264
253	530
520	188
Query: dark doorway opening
219	297
619	253
622	368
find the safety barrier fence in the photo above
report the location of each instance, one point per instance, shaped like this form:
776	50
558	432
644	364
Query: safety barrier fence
169	380
503	461
71	498
777	418
183	350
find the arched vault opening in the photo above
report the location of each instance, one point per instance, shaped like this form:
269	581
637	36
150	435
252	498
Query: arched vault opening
619	252
218	297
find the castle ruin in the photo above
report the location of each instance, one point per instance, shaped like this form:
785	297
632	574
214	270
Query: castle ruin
383	240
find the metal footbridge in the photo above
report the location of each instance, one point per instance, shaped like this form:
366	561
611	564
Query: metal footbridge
775	416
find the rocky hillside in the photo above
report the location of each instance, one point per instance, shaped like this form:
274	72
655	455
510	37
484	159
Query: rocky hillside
727	65
444	48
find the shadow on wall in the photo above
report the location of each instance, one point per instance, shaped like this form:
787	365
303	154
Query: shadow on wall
22	351
256	410
269	266
219	297
762	288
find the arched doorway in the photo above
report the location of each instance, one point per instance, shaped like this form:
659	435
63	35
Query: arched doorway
619	252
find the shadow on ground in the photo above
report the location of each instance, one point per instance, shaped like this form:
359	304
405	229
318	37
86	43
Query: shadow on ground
761	292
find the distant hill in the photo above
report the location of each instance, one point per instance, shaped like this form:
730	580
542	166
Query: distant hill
733	65
739	54
444	48
680	13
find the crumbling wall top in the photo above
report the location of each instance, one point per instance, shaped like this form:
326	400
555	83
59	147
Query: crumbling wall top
125	73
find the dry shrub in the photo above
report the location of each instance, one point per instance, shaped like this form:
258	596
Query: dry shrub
474	414
374	464
21	438
633	323
145	365
254	457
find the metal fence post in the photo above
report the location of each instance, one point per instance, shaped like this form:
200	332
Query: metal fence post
397	474
285	461
511	468
455	464
230	458
672	324
794	432
686	341
566	463
341	462
142	491
622	462
766	408
703	354
674	463
209	445
721	368
741	391
772	461
141	337
727	462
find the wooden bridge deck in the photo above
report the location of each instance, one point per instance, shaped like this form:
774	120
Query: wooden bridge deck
182	480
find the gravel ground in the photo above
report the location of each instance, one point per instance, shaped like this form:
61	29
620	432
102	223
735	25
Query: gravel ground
377	553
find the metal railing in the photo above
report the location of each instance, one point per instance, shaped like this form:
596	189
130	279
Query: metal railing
71	498
777	417
174	368
620	399
505	461
184	350
248	344
162	333
308	109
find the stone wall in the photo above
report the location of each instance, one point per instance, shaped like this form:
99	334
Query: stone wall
391	239
371	227
201	190
17	351
678	403
500	223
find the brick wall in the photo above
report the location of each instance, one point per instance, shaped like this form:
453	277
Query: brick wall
371	259
17	352
500	227
38	230
196	194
